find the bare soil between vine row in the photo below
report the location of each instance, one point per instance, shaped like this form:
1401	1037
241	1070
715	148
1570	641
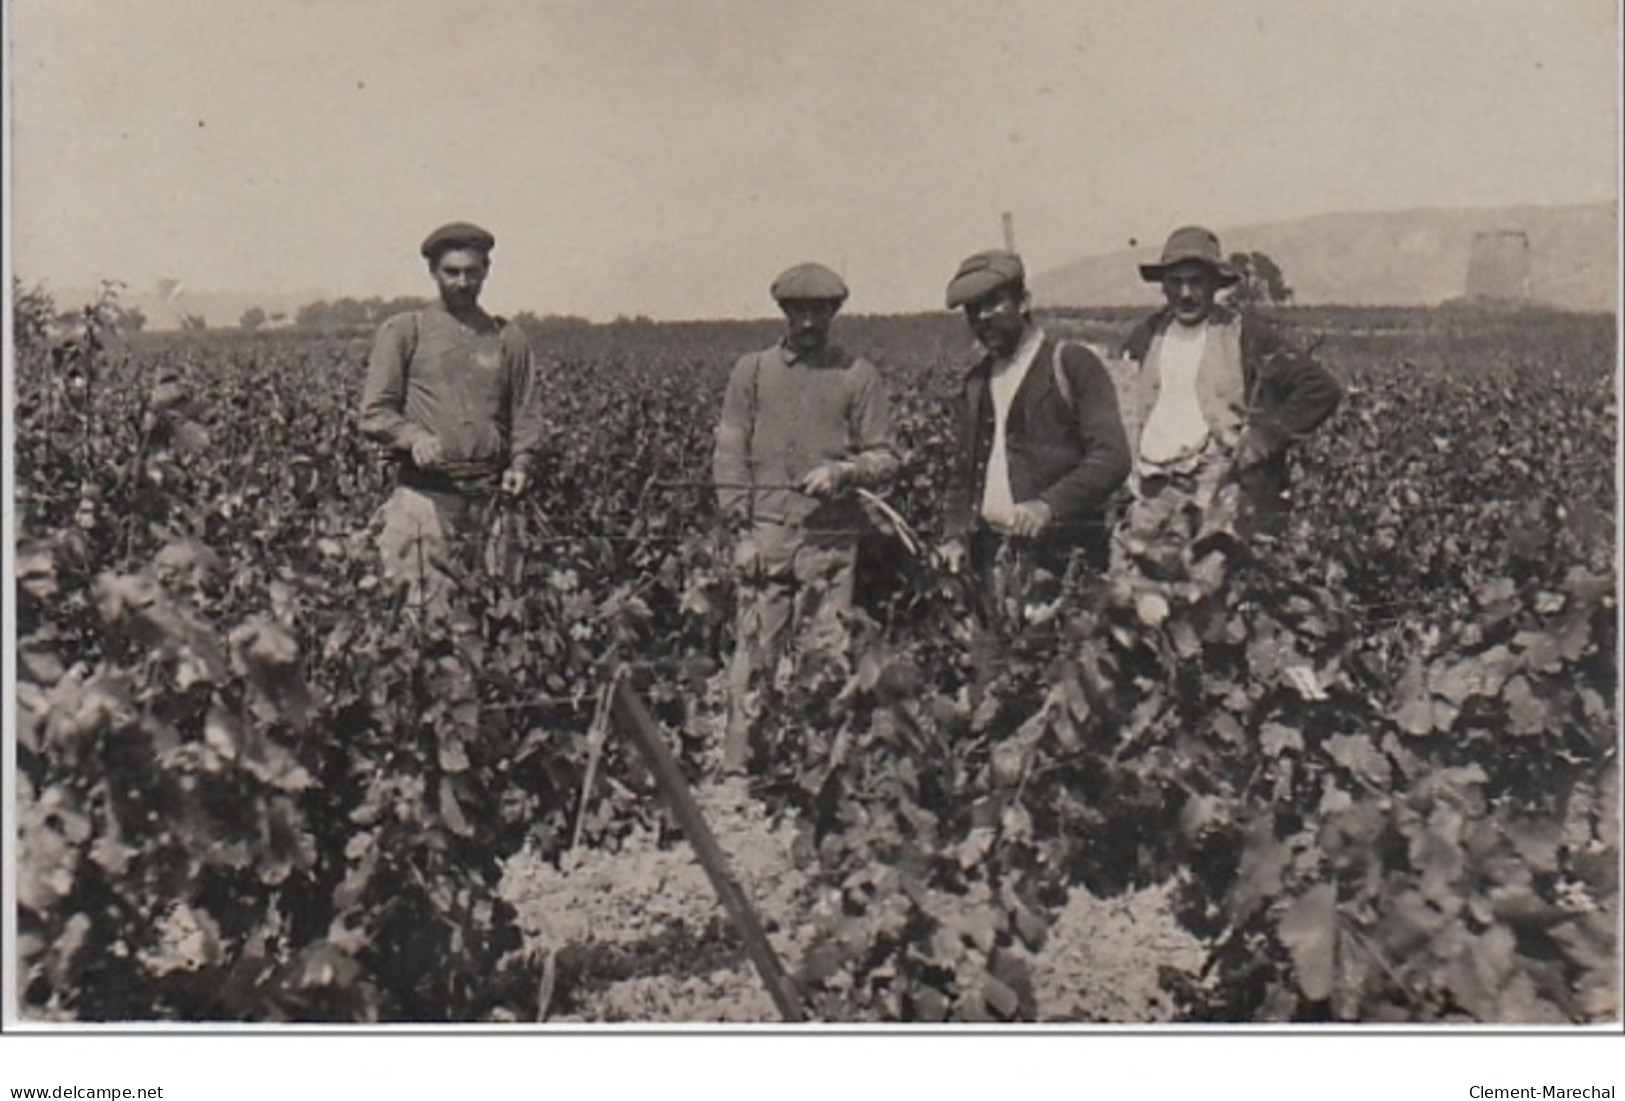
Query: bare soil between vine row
638	935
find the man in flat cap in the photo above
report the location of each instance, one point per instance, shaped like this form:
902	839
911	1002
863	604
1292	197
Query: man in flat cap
803	424
451	392
1042	446
1209	385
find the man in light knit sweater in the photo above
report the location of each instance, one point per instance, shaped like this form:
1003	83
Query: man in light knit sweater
451	392
803	424
1209	385
1042	447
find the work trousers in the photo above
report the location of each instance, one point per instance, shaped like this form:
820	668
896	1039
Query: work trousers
796	585
427	538
1162	500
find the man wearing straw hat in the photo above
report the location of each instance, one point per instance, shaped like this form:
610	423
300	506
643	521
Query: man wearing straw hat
451	392
804	427
1042	447
1210	386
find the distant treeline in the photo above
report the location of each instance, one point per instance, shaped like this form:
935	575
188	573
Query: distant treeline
1104	325
349	314
937	337
342	313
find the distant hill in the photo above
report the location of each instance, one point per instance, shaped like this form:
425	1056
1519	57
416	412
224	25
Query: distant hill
1387	258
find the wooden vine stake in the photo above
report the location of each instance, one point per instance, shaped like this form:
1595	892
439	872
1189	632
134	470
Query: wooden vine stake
632	716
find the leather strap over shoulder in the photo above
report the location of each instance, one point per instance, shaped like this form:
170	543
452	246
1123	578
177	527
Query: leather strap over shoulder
1062	383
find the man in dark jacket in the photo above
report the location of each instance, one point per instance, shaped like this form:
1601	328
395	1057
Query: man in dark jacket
1042	445
1208	385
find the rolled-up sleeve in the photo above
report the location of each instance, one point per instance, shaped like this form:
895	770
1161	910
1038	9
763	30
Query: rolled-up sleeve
1295	393
874	438
383	397
730	462
528	425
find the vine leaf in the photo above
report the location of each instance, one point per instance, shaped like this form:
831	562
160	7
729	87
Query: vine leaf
1000	998
1477	974
1356	753
1276	739
1482	675
269	656
1526	711
1264	858
1152	608
451	811
1308	928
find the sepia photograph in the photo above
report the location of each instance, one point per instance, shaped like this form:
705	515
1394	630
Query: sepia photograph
546	518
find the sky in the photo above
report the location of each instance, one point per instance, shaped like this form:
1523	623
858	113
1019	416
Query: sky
669	158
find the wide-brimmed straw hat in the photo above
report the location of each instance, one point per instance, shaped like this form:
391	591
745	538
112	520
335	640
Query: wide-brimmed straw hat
1187	245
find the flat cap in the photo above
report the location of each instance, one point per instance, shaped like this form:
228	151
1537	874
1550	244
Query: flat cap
809	282
456	235
1191	245
982	274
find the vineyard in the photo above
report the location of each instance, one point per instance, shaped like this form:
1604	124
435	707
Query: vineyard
1364	772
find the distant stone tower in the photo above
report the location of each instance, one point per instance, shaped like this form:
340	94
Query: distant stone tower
1498	267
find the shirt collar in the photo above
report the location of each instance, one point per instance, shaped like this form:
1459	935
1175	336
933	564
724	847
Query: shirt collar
827	356
1220	314
1031	340
1191	333
479	320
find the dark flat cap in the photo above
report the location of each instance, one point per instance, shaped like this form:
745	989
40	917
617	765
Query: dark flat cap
456	235
982	274
809	282
1191	245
